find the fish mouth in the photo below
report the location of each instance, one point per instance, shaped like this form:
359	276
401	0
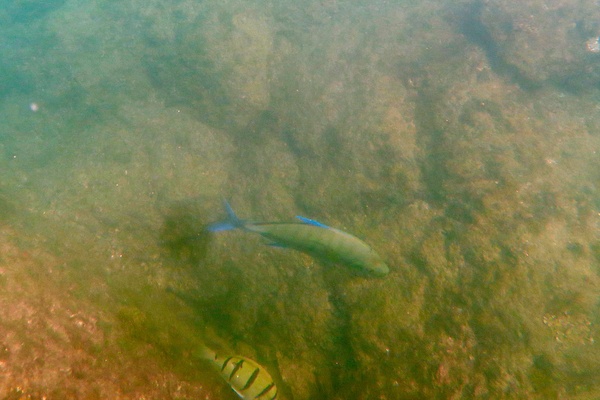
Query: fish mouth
380	269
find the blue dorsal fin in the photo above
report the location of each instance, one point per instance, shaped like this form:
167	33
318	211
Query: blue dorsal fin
311	222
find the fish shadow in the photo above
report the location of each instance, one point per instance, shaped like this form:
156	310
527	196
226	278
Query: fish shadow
184	238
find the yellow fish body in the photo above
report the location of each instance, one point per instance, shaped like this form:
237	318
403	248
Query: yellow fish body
246	377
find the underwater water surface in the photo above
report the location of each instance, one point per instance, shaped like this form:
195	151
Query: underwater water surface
453	138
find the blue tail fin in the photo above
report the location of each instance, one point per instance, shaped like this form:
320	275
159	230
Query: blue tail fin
231	222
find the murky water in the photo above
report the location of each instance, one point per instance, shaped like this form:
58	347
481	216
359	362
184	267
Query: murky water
454	138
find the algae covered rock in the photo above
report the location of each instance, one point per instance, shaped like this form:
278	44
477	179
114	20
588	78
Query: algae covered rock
212	61
544	43
447	136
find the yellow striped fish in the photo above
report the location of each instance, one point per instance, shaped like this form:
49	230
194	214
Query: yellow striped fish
313	238
245	376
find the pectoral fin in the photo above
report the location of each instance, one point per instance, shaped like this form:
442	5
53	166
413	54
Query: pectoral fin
275	244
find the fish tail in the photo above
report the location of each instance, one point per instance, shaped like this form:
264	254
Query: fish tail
231	222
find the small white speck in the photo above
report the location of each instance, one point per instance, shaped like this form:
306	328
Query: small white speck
34	107
593	44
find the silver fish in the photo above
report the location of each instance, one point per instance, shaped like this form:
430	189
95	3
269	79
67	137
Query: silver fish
313	238
245	376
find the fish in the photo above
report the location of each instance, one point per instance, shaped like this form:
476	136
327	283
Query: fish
245	376
313	238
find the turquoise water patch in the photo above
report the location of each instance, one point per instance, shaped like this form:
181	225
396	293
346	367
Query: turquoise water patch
126	125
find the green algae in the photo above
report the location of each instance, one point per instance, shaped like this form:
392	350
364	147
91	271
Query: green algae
383	120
